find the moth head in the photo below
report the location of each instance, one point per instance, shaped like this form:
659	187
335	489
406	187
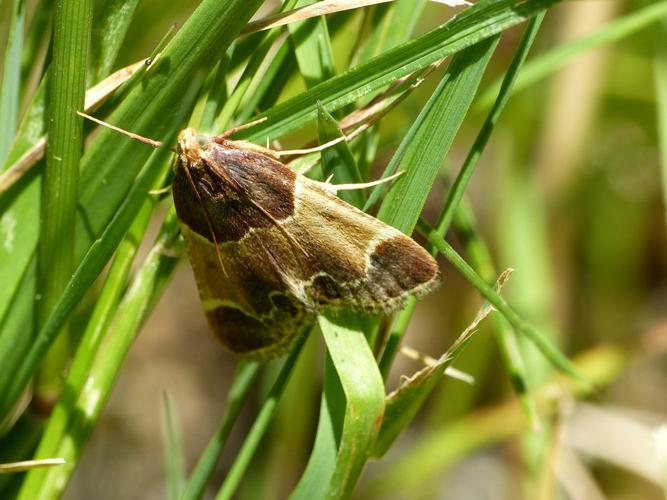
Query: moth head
191	145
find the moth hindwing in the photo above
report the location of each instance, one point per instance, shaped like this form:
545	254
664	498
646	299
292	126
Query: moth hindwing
270	248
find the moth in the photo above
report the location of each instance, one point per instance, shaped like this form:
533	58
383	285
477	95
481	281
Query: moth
271	248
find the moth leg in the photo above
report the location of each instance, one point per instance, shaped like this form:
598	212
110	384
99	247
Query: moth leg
161	191
334	188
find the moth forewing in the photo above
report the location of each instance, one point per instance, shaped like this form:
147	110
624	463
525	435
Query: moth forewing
270	248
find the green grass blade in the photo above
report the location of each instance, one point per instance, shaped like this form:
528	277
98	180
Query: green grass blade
432	135
422	153
111	164
88	270
260	51
547	64
112	20
73	21
259	427
480	259
174	460
364	393
338	161
246	373
149	281
404	402
483	20
315	478
10	88
312	47
468	168
518	323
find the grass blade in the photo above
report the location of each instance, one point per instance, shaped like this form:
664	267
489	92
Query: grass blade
547	64
260	426
73	21
518	323
174	461
10	88
146	286
483	20
364	394
246	373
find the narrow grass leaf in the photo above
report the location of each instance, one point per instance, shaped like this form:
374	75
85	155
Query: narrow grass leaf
483	20
338	161
544	65
479	255
174	459
56	258
423	151
312	47
315	478
404	402
10	88
260	426
364	393
246	374
112	20
520	325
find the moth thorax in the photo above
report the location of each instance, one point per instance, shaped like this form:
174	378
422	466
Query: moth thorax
191	145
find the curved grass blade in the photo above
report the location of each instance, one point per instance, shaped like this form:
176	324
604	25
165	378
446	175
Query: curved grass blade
483	20
364	393
404	402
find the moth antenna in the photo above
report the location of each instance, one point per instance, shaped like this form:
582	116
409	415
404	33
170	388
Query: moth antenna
131	135
208	220
245	126
362	185
310	150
